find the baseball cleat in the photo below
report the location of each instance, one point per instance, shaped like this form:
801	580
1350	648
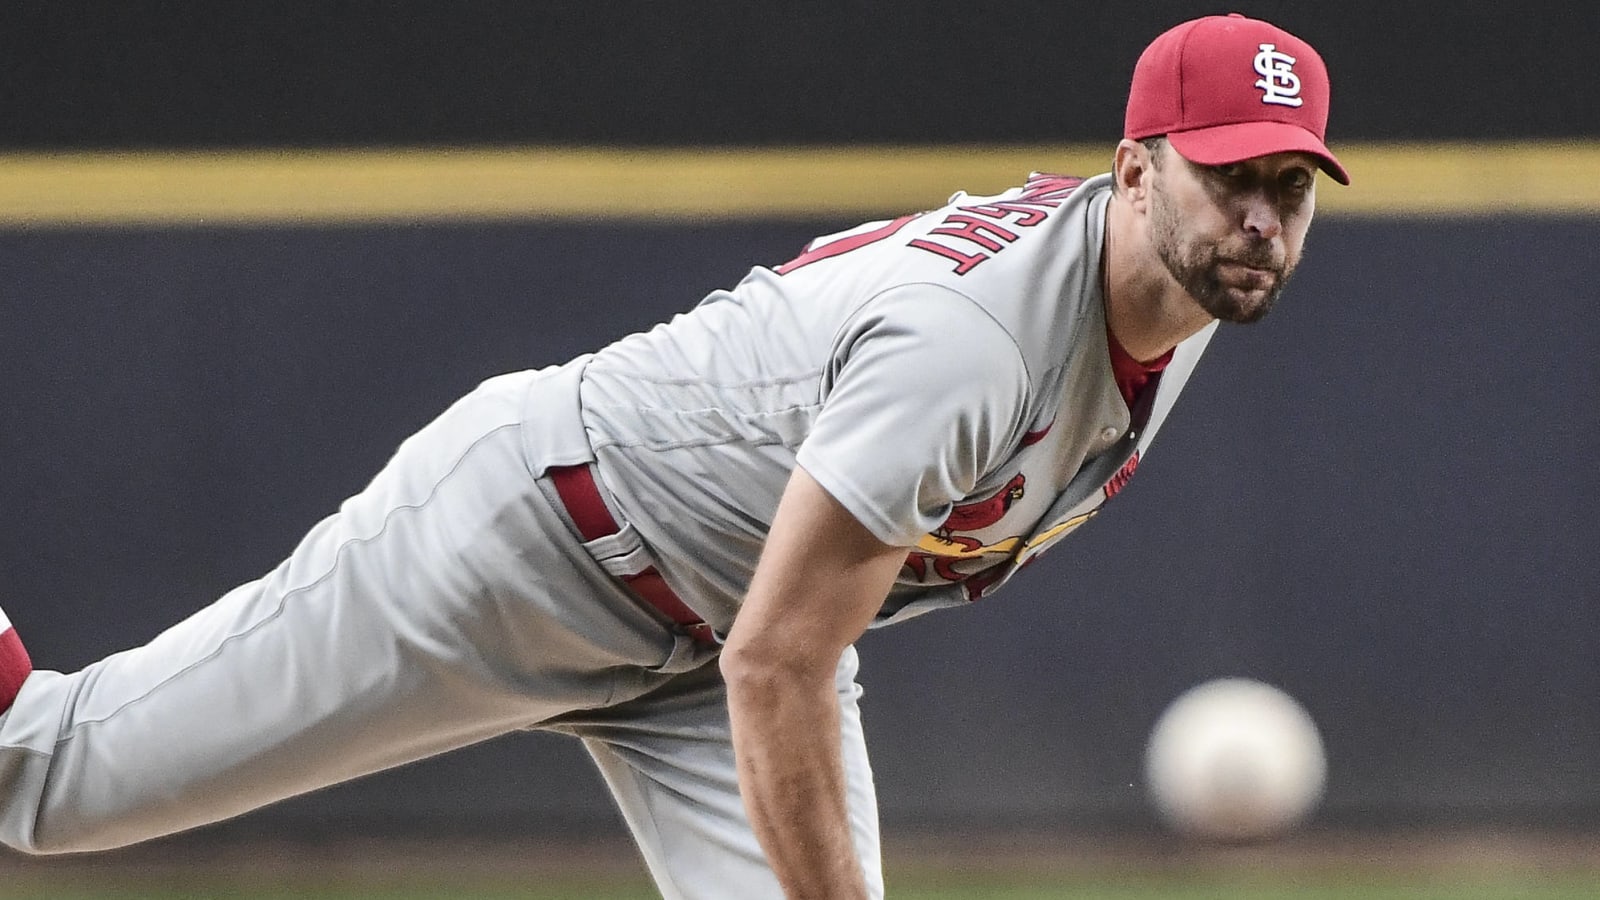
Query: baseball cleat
14	663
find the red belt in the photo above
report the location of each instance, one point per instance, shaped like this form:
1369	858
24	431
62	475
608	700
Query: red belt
578	492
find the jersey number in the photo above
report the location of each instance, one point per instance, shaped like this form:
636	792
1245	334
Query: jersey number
815	252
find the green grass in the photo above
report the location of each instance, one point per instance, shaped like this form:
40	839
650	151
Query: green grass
1137	887
1331	888
1505	865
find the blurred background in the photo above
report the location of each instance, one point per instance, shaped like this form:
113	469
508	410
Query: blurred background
247	248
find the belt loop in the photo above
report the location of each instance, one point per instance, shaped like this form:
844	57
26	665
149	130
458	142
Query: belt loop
580	494
576	487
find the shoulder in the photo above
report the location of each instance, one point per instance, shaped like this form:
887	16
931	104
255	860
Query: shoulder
936	325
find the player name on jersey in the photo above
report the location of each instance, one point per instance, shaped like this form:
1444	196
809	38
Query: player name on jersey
980	225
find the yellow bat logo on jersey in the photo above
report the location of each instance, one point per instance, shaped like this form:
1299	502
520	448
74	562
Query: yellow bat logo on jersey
947	551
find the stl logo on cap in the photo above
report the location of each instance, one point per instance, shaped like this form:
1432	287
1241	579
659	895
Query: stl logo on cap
1279	83
1193	85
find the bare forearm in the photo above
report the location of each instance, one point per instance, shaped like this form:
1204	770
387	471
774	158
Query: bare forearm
792	779
821	579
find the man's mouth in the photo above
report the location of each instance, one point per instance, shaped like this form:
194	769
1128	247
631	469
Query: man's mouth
1248	273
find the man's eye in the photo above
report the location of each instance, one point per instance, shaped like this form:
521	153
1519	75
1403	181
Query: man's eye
1230	171
1297	180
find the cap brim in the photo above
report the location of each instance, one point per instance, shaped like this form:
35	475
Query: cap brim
1223	144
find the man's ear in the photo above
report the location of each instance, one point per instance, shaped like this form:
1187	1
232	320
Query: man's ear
1132	169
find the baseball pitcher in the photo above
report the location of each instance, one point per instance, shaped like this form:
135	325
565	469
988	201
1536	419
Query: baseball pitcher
667	548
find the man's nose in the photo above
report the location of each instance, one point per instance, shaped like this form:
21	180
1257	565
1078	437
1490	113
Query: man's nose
1261	218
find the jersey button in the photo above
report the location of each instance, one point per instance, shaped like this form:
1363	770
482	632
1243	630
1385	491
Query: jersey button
1109	433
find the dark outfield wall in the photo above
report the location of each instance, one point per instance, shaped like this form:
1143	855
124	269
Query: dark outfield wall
1381	499
105	74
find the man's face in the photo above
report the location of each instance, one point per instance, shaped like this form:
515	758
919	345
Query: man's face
1232	235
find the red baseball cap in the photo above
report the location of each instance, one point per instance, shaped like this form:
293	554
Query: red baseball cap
1228	88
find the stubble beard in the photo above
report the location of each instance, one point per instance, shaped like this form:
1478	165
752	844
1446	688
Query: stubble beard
1197	268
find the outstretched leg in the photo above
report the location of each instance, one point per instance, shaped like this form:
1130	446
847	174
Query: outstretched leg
444	604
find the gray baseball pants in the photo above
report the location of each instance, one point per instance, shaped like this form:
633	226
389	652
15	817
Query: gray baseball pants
448	602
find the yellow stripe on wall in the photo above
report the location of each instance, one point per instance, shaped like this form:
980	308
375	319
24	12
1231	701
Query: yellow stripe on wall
364	186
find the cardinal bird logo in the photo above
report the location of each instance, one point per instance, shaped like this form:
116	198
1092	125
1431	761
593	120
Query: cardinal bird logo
986	512
946	548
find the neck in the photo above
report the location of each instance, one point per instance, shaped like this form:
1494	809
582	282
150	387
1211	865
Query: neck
1146	309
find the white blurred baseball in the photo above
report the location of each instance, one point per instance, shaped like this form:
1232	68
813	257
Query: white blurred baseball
1234	760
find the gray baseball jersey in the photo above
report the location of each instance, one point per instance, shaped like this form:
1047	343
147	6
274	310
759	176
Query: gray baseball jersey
945	375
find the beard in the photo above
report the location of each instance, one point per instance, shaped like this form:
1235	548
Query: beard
1197	267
